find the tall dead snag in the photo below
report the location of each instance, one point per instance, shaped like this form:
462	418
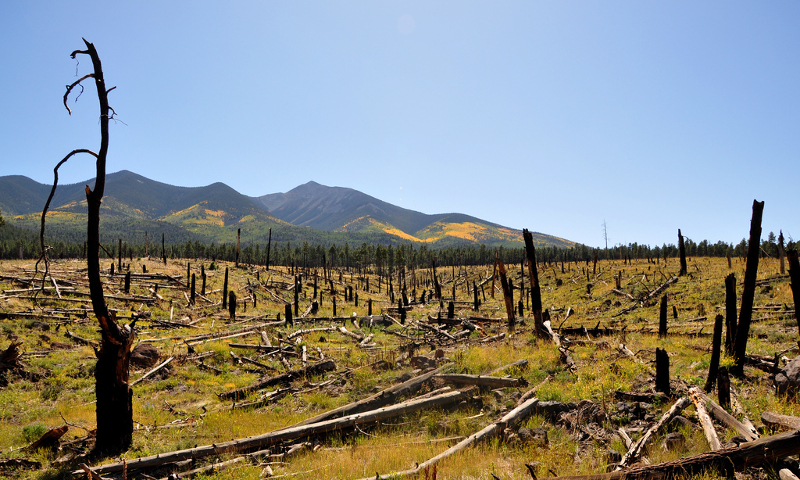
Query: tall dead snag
682	251
730	313
782	252
749	291
713	368
507	295
114	396
794	275
536	294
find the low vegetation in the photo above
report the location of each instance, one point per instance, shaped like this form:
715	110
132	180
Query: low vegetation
180	406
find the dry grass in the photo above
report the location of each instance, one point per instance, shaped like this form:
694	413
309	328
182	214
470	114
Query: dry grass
189	392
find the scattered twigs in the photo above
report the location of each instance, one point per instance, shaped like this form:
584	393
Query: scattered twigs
153	371
636	450
746	455
315	369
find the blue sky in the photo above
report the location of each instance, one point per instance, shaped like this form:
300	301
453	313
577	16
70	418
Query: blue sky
554	116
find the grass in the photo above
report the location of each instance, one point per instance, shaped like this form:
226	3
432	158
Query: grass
189	393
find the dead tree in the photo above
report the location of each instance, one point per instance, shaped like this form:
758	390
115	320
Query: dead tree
749	290
536	295
114	396
682	251
730	313
507	295
794	275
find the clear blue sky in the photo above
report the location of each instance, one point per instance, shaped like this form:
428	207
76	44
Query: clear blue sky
552	116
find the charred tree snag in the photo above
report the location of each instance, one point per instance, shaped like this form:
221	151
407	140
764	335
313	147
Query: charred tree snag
730	313
662	371
782	252
662	322
682	250
749	291
114	409
506	293
238	242
713	368
269	247
225	290
536	294
794	275
232	304
437	288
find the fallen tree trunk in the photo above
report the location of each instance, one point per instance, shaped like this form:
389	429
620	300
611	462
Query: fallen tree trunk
708	426
279	436
777	420
481	380
726	460
511	418
316	369
384	397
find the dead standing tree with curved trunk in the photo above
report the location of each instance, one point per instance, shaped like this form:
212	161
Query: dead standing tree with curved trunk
114	396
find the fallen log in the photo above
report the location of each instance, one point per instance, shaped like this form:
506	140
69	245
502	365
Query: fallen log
481	380
279	436
726	460
729	420
384	397
288	377
708	427
510	419
772	419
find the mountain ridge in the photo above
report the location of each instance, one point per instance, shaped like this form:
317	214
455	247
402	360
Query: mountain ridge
216	212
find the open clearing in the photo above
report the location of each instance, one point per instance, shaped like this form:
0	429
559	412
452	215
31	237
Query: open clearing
184	405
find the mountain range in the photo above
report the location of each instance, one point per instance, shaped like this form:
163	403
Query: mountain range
315	213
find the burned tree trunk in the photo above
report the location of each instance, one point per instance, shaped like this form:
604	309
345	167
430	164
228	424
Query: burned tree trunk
536	294
114	396
794	274
713	368
269	247
662	322
730	313
749	291
662	371
507	295
682	250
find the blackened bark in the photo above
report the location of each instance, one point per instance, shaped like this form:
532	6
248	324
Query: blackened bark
662	322
509	299
749	291
114	397
682	251
662	371
794	275
713	368
730	313
536	294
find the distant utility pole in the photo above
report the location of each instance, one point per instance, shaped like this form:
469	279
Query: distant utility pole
605	236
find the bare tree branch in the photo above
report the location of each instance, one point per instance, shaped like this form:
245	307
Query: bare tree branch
74	84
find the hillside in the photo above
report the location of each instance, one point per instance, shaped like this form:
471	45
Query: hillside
314	213
339	209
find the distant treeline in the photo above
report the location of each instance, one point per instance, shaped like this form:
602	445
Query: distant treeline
12	239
